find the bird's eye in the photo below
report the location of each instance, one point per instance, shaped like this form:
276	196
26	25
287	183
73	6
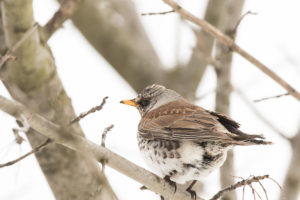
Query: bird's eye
144	102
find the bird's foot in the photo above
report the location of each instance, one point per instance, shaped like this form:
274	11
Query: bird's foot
171	183
193	193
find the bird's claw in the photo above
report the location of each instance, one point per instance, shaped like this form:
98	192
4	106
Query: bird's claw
171	183
193	194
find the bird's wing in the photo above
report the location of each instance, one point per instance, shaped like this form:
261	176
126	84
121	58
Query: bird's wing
180	120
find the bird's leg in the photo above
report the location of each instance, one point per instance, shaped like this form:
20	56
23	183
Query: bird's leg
171	183
192	192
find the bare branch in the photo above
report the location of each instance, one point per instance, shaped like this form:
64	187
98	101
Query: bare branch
226	40
258	114
240	20
65	11
67	8
41	91
19	139
106	130
158	13
9	53
80	144
264	189
271	97
255	192
34	150
92	110
244	182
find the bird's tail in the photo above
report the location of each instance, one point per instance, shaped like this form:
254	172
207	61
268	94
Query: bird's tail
246	139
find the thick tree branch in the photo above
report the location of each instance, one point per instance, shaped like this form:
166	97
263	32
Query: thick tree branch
3	46
186	79
226	40
32	79
65	11
9	54
89	149
113	28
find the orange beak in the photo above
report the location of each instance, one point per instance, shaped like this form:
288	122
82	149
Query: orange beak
129	102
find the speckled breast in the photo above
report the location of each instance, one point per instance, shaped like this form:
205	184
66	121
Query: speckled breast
182	161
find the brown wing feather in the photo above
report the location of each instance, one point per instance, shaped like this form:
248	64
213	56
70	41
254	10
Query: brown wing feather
233	127
181	120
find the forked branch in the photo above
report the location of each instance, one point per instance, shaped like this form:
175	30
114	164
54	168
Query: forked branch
232	45
80	144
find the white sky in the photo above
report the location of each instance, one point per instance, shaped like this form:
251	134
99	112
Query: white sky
271	36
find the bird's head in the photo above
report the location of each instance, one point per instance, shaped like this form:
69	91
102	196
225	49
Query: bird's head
153	96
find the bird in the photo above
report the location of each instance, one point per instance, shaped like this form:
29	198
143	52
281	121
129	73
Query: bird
180	141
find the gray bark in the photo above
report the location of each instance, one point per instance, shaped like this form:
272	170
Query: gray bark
231	15
114	30
2	40
79	144
291	184
33	80
193	72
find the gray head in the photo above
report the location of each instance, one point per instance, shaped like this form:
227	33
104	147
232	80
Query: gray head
153	96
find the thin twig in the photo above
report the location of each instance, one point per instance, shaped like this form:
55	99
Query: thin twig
106	130
9	54
255	192
239	184
158	13
280	187
264	189
271	97
243	197
240	20
226	40
36	149
93	151
92	110
66	10
19	139
258	114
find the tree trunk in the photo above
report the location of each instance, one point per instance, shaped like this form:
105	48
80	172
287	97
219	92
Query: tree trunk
291	185
231	15
32	79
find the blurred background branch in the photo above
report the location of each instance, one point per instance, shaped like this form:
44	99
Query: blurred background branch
230	16
226	40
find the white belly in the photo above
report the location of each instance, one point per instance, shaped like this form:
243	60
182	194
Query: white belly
184	163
